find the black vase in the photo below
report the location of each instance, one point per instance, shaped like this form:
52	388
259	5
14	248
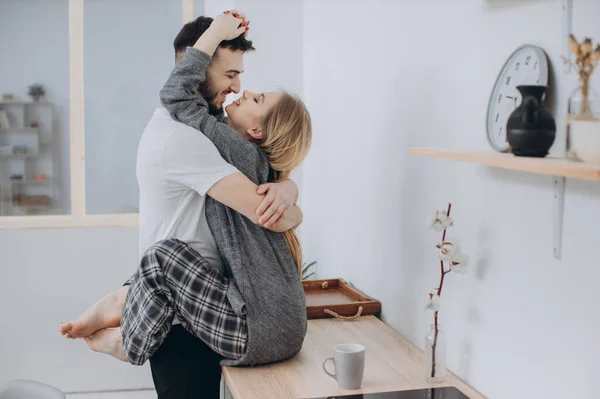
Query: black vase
530	128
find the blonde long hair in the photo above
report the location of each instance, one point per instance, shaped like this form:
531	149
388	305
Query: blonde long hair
287	138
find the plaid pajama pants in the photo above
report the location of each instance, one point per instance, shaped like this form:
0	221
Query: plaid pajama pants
174	279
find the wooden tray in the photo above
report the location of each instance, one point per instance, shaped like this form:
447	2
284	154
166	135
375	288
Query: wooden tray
337	296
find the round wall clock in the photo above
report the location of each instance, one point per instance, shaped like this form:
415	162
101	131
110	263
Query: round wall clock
527	65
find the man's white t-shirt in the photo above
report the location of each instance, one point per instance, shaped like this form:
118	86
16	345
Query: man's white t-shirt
176	166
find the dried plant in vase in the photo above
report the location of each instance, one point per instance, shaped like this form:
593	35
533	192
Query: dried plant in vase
585	62
452	259
583	125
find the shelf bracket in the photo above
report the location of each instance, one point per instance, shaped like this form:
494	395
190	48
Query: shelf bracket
560	181
559	208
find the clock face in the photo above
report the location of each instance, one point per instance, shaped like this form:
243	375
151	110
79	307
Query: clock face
527	65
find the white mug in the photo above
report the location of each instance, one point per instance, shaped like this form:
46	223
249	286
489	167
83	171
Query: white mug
349	365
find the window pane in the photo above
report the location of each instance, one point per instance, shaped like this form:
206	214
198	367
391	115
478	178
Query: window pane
128	55
34	132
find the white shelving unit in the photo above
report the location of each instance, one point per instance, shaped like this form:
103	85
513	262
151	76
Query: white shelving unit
26	159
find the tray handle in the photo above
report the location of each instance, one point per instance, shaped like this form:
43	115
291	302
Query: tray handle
345	318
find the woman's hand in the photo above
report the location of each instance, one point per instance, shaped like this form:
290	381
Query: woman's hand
226	26
229	25
278	198
242	16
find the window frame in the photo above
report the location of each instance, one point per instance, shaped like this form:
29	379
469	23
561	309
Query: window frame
78	218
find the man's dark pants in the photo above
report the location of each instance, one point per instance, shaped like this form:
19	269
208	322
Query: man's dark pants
184	367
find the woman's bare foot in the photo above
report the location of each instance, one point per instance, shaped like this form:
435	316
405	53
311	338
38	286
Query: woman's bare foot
107	341
106	313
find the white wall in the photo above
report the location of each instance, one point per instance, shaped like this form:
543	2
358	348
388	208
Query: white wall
276	31
49	276
211	8
381	76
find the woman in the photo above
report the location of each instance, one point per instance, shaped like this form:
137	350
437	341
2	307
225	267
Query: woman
265	316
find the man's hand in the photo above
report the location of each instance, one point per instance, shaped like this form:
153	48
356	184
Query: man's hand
278	198
292	218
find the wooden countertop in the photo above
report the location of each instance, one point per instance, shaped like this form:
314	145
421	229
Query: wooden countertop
391	363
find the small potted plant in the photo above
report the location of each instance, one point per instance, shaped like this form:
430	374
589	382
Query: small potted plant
36	91
584	109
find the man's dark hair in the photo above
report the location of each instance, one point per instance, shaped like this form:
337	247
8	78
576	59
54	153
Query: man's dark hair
191	32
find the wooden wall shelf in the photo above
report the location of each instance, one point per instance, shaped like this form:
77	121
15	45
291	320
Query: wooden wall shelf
558	168
546	166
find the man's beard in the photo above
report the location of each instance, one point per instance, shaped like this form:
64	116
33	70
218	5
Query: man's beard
210	94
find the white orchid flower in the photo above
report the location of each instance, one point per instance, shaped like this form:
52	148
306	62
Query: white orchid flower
460	263
448	250
439	221
433	301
